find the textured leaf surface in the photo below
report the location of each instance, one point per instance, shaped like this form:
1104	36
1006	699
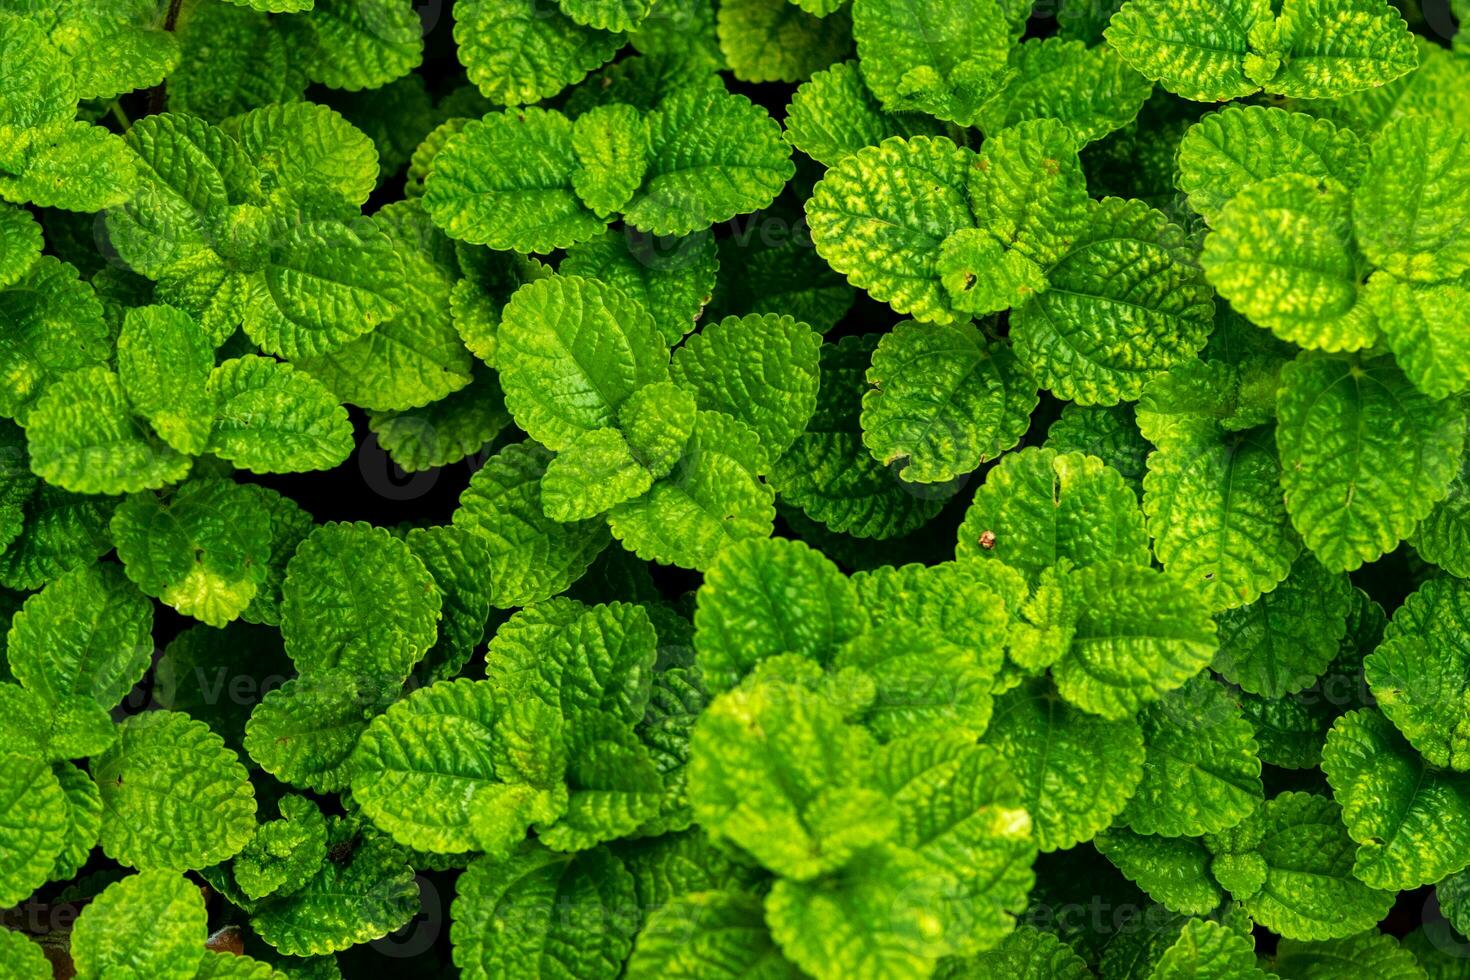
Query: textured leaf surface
1091	91
164	361
304	731
1196	49
1424	327
272	418
1174	871
33	824
671	279
1076	770
833	114
173	795
1364	455
1410	211
20	243
55	326
1411	821
708	935
519	52
162	916
1041	507
360	44
776	41
1284	640
943	401
1340	959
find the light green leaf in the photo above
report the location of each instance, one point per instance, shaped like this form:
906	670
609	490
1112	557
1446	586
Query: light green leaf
1423	324
204	552
1420	671
766	597
289	526
1411	821
233	60
1041	507
1227	151
1028	953
284	853
272	418
33	824
54	326
1367	953
73	166
20	243
1174	871
87	633
506	181
833	115
1077	771
519	53
776	770
671	279
1125	303
173	796
532	556
459	561
943	400
777	41
711	156
596	472
880	214
1364	456
712	498
708	935
1198	49
82	437
1111	434
657	420
304	731
1335	47
164	360
1290	864
541	915
148	925
62	531
444	432
334	617
571	350
1206	950
22	957
1091	91
945	59
1444	536
1285	640
1282	253
361	44
1200	772
607	15
83	816
303	149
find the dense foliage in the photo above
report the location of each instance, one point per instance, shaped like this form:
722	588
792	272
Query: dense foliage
958	490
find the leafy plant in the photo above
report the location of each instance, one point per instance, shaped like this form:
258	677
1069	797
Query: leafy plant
915	471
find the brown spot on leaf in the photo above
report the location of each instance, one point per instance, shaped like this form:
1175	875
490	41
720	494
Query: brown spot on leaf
987	540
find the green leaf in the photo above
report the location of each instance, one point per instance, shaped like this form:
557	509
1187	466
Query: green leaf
419	767
1028	953
943	400
766	597
711	156
762	370
777	41
532	556
1411	821
1282	253
571	351
54	327
73	166
1200	771
596	472
1198	49
1336	47
459	561
519	53
23	958
543	914
335	618
284	854
657	420
83	816
607	15
164	361
1111	434
361	44
1422	325
671	279
233	60
1077	771
444	432
85	634
273	418
708	935
289	526
1371	952
20	243
304	731
204	552
83	437
1290	864
614	788
833	115
1227	151
1208	949
1174	871
507	181
33	824
1125	303
1418	674
173	796
1285	640
151	924
1091	91
62	531
477	301
945	59
880	214
303	149
776	770
1041	507
364	891
1137	635
1364	456
713	497
1443	537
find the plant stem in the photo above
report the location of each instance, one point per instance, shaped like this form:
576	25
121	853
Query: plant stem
158	95
117	113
